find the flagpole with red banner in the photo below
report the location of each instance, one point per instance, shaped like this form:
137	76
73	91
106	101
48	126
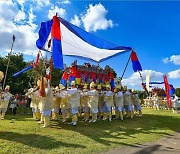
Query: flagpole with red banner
167	88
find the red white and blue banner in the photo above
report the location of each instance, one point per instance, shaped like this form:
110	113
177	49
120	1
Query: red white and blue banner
135	62
70	40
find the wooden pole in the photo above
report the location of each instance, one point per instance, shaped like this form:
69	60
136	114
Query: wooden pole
13	40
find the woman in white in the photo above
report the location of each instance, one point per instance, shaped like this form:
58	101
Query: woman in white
93	101
4	101
74	100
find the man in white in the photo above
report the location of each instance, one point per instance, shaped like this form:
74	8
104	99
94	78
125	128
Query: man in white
74	100
119	102
56	104
33	93
128	103
46	104
84	103
4	101
108	103
93	102
64	104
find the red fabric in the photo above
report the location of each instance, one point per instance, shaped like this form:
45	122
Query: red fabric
78	74
55	30
37	60
73	71
111	75
65	75
93	75
167	87
134	56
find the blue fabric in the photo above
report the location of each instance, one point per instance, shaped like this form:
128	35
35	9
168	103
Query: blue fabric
119	109
91	39
112	83
63	82
128	108
72	78
137	107
74	110
57	54
43	34
136	66
23	71
107	108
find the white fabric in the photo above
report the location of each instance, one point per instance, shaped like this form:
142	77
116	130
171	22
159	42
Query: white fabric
73	45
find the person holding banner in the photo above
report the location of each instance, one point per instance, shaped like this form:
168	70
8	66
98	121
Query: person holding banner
4	101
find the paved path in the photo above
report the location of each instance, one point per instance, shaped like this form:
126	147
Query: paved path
166	145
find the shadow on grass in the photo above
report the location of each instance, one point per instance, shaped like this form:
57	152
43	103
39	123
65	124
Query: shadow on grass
37	141
116	132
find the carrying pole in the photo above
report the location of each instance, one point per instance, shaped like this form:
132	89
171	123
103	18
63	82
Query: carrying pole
126	66
9	57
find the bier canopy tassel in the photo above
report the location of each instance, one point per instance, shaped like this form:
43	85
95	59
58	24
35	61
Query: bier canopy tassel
70	40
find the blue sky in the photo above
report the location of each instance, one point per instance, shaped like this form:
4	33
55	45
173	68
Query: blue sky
151	28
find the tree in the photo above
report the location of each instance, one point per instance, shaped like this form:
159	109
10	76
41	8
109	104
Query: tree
17	84
177	92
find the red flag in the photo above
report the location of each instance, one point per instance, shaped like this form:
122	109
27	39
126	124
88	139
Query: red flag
65	75
167	87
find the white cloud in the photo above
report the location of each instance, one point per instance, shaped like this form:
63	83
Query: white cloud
61	12
41	3
175	59
21	2
174	74
166	60
25	34
76	21
20	16
135	79
66	2
31	16
95	18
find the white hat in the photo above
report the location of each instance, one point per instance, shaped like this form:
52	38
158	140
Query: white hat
61	87
99	87
108	86
118	86
7	87
92	85
85	86
73	83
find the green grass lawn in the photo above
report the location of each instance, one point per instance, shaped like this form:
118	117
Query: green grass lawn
26	136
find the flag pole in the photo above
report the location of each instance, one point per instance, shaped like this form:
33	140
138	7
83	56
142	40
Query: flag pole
13	40
126	66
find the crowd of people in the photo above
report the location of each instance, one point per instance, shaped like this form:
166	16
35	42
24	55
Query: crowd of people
90	102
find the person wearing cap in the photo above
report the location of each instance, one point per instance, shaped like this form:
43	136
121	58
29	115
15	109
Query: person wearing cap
33	93
46	104
74	100
93	102
127	103
84	102
100	101
137	103
108	103
4	101
56	104
64	104
119	102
